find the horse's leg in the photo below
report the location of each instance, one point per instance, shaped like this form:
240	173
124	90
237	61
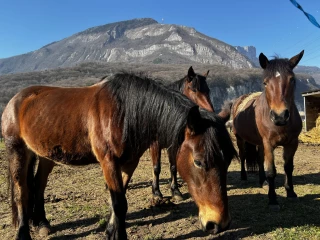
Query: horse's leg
288	154
155	153
270	174
116	228
39	215
127	170
21	162
176	194
262	174
242	155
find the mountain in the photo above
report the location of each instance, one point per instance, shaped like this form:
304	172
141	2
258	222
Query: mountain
251	53
134	41
314	72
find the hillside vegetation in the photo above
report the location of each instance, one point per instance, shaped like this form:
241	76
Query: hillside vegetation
222	80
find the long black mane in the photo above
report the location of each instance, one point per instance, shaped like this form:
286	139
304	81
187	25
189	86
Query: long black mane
177	85
217	141
151	111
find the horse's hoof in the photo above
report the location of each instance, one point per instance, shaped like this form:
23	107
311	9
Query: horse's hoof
23	233
177	198
44	231
23	237
274	207
155	201
265	186
157	197
291	194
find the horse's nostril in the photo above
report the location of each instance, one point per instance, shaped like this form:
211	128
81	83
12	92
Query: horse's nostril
286	114
212	227
272	114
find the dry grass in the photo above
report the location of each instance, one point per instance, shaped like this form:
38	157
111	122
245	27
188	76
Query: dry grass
312	136
76	204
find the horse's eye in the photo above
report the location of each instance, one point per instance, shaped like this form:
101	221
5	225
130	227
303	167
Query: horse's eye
197	163
265	83
292	79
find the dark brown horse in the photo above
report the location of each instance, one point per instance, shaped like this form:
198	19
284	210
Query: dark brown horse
270	119
113	123
195	87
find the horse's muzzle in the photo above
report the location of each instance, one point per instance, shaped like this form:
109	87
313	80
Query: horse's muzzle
280	119
214	228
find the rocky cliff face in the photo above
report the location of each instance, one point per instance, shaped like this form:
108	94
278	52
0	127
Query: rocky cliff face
135	41
250	52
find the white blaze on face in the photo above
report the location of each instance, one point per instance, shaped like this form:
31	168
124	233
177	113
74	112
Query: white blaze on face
277	74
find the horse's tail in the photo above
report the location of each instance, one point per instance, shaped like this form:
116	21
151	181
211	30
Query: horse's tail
31	186
10	190
225	112
252	156
31	192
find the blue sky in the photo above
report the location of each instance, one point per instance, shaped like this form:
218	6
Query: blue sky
273	27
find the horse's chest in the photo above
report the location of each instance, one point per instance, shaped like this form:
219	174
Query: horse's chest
278	138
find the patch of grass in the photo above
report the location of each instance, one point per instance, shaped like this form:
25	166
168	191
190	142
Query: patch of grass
2	146
310	232
152	237
102	222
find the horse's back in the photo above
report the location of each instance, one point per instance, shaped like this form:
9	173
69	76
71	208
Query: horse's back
10	116
244	119
51	121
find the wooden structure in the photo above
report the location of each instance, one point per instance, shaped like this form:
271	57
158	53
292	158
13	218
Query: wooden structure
311	108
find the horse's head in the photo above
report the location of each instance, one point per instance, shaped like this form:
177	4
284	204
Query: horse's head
196	89
202	162
279	81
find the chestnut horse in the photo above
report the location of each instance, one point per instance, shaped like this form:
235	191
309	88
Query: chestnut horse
270	119
195	87
113	122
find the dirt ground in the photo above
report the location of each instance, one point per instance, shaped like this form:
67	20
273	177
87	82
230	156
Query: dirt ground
77	203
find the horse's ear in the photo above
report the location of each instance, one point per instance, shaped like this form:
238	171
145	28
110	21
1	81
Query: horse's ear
296	59
193	120
206	74
263	60
191	74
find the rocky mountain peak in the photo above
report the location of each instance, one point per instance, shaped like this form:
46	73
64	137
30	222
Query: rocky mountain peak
142	40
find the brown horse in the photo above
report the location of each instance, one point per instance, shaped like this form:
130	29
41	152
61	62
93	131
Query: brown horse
113	122
270	119
195	87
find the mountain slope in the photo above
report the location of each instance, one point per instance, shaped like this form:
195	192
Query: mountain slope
224	83
134	41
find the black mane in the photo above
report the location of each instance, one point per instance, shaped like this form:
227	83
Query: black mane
151	111
217	141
